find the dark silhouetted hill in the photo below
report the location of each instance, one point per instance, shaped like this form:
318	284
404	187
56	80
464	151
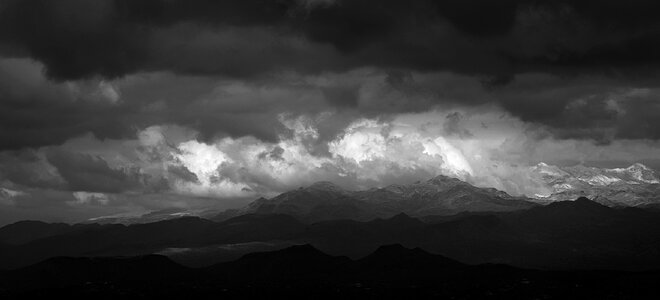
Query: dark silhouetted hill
568	235
303	271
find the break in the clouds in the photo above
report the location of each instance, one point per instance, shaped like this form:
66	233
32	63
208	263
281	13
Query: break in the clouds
117	106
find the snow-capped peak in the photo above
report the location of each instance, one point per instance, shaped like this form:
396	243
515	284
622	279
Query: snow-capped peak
638	166
601	180
633	185
639	172
643	173
548	170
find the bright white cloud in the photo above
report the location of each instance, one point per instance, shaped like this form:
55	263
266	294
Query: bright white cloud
493	149
486	147
201	159
453	159
361	141
206	161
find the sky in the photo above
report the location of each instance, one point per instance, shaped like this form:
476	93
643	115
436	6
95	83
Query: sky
120	107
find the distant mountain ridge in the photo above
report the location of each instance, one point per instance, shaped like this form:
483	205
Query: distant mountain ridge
441	195
150	217
636	185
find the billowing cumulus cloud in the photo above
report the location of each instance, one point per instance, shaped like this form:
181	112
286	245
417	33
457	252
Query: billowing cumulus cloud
170	166
84	172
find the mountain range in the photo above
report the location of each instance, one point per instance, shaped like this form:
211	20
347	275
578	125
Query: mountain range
442	216
636	185
441	195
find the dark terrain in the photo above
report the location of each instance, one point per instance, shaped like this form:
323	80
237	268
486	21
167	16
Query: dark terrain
568	235
303	271
562	250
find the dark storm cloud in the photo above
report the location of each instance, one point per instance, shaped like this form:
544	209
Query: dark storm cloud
78	38
640	117
36	112
89	40
599	109
81	38
26	168
342	96
181	172
84	172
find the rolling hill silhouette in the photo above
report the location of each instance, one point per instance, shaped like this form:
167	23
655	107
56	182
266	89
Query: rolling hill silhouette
568	235
303	271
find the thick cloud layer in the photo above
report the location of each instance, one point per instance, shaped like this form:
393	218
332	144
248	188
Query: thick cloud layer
108	105
38	112
80	38
535	58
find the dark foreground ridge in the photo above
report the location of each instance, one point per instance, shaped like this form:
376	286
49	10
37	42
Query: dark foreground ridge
303	271
568	235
